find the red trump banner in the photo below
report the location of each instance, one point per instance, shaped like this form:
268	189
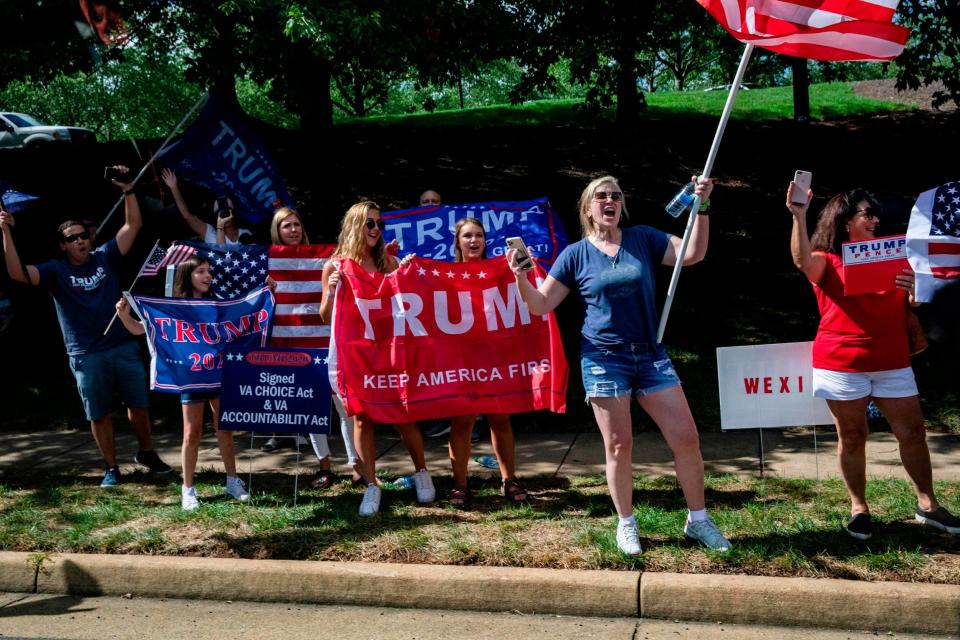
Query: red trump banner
436	339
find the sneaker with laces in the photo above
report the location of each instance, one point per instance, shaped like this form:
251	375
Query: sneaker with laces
706	533
236	489
152	461
188	499
371	501
111	477
424	485
860	526
939	519
628	539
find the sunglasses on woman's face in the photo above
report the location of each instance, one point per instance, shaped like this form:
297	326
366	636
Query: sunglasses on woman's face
601	196
379	224
73	237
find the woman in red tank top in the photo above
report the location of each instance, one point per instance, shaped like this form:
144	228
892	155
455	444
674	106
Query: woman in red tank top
861	353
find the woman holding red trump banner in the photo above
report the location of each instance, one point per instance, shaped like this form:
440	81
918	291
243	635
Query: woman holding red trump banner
612	268
470	244
862	351
361	240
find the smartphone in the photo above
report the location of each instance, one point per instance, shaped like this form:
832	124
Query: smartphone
223	207
112	173
523	256
802	179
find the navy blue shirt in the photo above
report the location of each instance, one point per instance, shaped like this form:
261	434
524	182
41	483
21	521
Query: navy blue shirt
85	297
618	292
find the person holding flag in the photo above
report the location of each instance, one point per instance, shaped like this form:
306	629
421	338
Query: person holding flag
226	232
861	352
84	286
192	280
361	240
612	268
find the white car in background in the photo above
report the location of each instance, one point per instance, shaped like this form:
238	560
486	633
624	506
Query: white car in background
21	130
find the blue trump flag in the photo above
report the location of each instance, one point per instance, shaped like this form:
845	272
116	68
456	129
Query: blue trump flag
187	336
428	231
15	201
219	152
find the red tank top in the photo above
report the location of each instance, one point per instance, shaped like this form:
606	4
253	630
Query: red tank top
865	332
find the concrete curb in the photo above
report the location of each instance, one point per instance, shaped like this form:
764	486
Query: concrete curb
846	604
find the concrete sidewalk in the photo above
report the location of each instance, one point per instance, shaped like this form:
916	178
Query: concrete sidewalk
794	454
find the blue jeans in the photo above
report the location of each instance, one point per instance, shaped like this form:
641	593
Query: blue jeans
99	373
633	368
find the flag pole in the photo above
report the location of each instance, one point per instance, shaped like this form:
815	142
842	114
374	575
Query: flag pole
149	255
707	169
153	157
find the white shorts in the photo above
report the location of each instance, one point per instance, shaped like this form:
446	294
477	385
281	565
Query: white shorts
845	385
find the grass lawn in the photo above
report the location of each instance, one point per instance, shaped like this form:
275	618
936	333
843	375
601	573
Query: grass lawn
828	100
780	527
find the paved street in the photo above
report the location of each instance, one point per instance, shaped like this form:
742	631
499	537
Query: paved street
106	618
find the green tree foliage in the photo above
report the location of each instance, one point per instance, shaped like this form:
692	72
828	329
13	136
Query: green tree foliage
933	53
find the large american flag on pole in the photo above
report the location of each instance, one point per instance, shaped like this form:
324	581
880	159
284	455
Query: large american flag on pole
239	269
832	30
933	239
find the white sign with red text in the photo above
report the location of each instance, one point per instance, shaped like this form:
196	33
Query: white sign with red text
768	385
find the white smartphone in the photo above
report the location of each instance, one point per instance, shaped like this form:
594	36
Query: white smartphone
523	256
803	180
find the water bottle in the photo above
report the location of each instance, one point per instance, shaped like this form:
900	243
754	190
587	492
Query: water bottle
403	482
487	461
682	200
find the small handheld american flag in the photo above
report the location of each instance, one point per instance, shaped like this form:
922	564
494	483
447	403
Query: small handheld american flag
160	258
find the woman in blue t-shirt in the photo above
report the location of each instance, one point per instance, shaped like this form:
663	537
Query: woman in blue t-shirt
612	268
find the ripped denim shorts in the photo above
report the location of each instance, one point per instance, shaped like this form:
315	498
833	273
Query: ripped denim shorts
632	368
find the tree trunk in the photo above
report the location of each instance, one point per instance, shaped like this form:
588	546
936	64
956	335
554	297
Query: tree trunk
801	89
628	101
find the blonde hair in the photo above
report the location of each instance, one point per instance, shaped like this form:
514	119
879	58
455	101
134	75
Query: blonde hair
461	223
352	241
586	198
279	216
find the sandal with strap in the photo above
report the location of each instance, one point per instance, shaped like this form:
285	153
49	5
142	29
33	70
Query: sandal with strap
513	492
460	498
324	480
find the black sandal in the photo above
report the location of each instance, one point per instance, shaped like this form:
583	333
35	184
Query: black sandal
513	492
460	498
324	480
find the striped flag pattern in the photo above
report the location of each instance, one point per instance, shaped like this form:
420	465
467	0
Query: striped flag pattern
297	271
161	258
933	239
832	30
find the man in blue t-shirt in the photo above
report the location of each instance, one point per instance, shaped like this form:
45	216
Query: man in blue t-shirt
85	286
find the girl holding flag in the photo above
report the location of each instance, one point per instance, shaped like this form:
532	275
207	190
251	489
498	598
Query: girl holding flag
862	351
612	268
361	240
192	280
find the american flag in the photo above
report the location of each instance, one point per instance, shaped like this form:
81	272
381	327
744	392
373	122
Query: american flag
816	29
161	258
239	269
933	239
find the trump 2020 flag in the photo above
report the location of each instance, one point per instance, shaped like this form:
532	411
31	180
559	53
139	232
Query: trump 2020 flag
428	231
817	29
438	339
933	239
219	152
187	336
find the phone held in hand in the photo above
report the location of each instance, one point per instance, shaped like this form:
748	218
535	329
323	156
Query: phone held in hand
803	180
113	173
523	255
224	209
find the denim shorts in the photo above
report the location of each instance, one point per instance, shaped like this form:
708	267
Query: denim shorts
193	397
99	373
627	369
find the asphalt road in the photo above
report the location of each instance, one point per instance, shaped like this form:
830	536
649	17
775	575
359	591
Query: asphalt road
104	618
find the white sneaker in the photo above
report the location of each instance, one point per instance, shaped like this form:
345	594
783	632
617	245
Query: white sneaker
706	533
188	499
237	489
424	484
628	539
371	501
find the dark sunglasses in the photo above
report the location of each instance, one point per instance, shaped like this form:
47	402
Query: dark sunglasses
600	196
83	235
868	212
379	224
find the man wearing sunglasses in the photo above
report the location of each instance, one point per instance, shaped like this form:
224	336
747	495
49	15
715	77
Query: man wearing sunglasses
85	286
